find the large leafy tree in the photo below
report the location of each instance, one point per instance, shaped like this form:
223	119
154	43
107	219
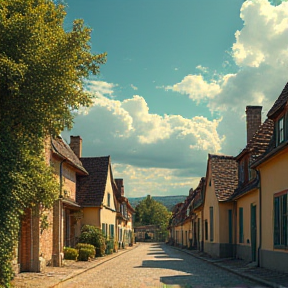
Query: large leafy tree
152	212
42	74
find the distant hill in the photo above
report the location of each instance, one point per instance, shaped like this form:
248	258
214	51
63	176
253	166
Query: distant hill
168	201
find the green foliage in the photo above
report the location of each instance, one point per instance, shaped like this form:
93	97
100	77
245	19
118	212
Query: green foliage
93	235
109	246
70	253
79	246
42	74
151	212
86	253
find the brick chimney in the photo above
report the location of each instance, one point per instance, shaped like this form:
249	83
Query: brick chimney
191	191
76	145
253	120
120	186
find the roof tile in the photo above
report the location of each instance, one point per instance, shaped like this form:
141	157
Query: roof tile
224	174
281	100
60	147
91	188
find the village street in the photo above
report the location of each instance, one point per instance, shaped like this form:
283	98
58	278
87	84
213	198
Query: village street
156	265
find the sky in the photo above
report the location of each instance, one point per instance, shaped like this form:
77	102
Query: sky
178	77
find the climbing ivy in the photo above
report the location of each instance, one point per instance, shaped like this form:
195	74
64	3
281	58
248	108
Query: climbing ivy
42	73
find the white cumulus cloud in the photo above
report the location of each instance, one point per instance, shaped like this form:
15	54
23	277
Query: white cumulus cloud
260	51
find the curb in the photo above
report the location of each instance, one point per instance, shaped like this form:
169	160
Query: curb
249	277
93	266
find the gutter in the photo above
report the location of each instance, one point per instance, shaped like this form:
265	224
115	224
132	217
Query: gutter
60	175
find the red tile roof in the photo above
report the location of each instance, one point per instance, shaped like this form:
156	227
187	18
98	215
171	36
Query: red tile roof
91	188
280	102
198	198
260	141
63	150
224	171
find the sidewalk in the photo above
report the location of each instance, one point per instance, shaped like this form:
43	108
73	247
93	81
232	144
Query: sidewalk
52	276
245	269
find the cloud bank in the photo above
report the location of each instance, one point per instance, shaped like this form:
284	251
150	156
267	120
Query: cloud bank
260	51
159	153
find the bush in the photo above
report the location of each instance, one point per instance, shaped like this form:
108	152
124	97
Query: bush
86	253
109	246
80	246
93	235
70	253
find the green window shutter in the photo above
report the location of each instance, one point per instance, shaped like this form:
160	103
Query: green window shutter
111	231
241	235
103	228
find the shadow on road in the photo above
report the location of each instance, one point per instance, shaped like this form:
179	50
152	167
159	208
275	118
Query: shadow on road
190	272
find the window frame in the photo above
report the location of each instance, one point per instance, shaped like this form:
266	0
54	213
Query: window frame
206	229
280	220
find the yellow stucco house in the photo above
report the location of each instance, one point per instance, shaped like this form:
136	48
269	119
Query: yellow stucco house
246	196
124	216
221	181
273	167
96	194
196	212
185	227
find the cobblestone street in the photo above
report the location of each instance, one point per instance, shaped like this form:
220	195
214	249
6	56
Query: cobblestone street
154	265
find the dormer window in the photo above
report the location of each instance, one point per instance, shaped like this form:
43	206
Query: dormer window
280	130
241	173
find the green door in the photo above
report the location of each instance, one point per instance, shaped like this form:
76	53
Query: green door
253	232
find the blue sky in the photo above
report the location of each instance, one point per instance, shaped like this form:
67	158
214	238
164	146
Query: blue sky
178	77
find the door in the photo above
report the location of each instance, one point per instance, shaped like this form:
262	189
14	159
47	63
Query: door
230	226
25	251
253	232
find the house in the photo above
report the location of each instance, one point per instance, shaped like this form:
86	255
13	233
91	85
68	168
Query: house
174	227
184	225
246	196
124	216
221	181
196	213
96	194
273	247
44	233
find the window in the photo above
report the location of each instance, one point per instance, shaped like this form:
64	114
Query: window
280	221
104	229
241	172
241	235
206	229
111	231
108	199
281	130
211	224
